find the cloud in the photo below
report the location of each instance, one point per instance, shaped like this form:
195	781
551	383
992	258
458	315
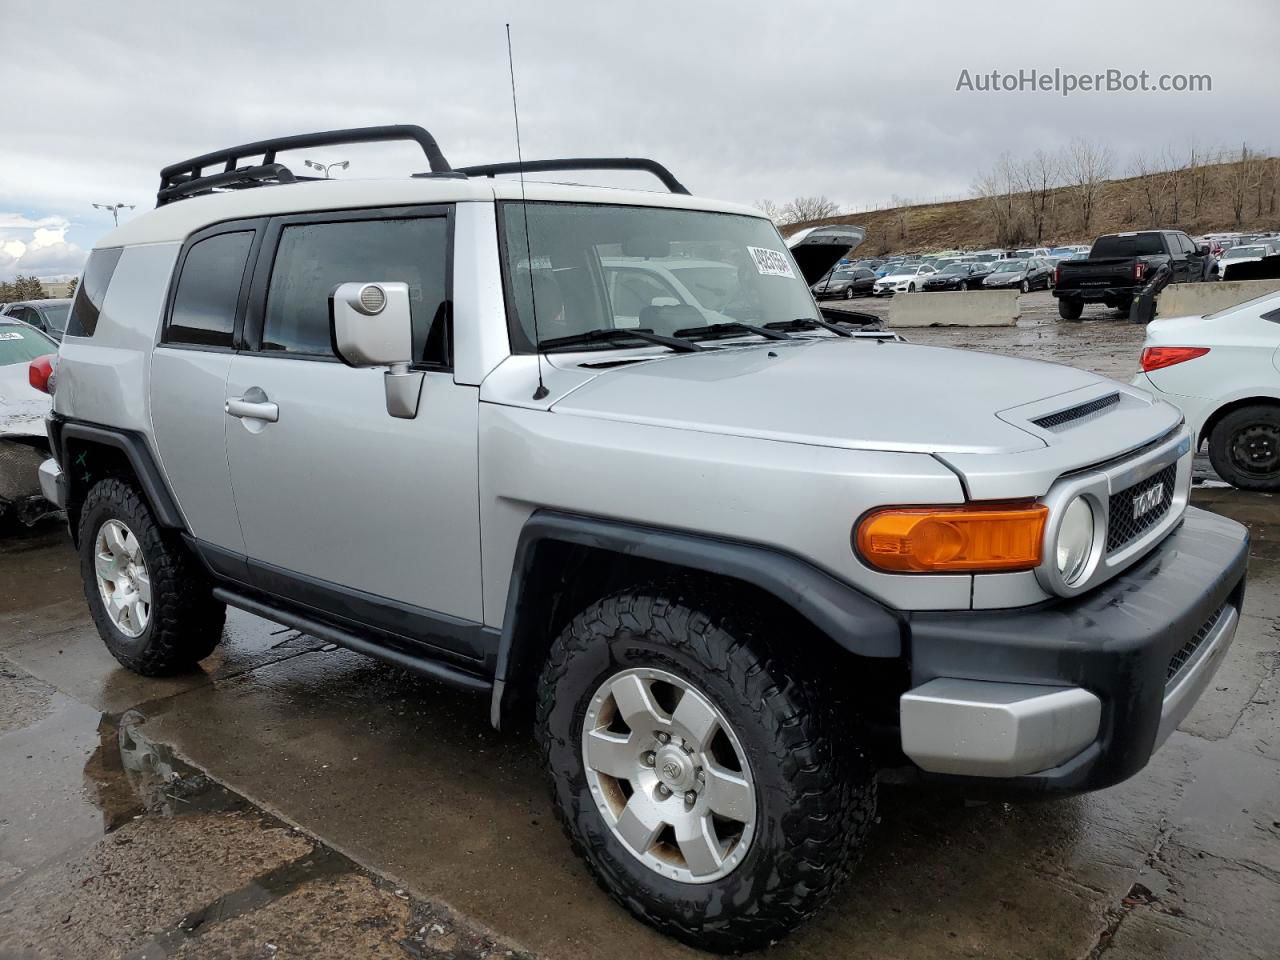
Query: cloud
37	246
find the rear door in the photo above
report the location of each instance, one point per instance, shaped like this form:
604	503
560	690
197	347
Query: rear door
189	369
345	508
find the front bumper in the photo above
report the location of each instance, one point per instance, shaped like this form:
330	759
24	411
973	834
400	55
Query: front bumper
1076	694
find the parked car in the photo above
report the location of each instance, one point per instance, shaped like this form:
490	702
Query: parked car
1028	252
1220	371
906	278
845	282
24	445
402	416
47	316
1120	265
958	276
1026	275
1245	254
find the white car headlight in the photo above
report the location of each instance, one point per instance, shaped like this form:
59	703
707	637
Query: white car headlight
1075	540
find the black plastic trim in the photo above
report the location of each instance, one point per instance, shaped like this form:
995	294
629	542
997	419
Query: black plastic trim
579	163
1115	641
134	446
334	634
356	611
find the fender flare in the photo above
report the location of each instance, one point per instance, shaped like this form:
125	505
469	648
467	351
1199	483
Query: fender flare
853	620
135	450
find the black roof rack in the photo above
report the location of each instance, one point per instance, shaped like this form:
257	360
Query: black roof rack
187	178
580	163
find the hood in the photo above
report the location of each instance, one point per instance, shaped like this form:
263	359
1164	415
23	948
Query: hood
854	394
818	249
22	406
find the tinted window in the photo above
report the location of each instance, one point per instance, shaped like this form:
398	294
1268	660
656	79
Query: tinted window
204	306
92	291
1133	245
56	316
313	258
22	345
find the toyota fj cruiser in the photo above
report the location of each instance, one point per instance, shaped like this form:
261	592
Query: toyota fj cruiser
598	455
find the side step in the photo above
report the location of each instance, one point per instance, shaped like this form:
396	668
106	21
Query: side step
434	669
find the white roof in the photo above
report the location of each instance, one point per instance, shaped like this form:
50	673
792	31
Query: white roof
178	220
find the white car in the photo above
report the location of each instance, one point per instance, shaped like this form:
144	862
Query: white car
23	441
1248	253
1223	372
905	279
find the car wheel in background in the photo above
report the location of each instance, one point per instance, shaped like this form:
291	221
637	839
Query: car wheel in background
1069	309
1244	448
1024	287
848	292
911	288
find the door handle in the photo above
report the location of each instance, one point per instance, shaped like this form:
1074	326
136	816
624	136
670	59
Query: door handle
253	406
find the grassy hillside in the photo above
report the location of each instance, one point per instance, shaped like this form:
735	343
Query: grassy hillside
1124	204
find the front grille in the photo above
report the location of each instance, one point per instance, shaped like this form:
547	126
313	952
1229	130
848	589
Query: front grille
1183	656
1123	527
1056	421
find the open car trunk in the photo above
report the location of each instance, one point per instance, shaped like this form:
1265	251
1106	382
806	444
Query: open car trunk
818	249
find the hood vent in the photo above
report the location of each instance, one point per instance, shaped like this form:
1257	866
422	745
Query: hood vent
1073	415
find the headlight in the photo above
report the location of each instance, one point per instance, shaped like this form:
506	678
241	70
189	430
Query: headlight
1075	540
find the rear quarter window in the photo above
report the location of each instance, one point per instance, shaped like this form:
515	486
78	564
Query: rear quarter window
83	321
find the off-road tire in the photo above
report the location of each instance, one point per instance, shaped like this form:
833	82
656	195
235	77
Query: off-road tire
185	622
1069	309
1259	417
815	789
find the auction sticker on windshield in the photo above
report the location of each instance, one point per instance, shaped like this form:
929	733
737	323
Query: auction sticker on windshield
770	263
10	336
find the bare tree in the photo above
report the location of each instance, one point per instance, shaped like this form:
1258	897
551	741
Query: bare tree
771	210
997	189
804	209
1146	169
1198	177
1038	178
1269	171
1173	182
1242	176
73	286
1086	167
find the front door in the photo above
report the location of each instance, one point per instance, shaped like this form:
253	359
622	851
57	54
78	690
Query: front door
343	507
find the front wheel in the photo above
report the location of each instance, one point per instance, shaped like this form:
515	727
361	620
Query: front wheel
848	293
911	288
701	778
1024	287
148	597
1244	448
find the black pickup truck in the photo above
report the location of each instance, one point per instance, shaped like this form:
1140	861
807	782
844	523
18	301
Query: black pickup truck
1121	266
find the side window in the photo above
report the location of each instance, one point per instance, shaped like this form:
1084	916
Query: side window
204	305
313	258
92	291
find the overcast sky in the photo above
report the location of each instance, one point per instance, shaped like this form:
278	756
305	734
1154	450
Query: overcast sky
742	100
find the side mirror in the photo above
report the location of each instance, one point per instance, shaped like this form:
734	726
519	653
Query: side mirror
370	325
1203	249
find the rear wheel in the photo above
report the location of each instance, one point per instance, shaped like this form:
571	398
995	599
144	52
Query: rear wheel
703	779
1244	448
1069	309
149	599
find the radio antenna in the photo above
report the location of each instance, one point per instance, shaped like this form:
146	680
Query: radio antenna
542	391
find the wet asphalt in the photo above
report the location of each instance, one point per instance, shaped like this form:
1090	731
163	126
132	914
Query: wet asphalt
292	799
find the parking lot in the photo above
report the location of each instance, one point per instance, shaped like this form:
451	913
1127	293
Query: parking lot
294	799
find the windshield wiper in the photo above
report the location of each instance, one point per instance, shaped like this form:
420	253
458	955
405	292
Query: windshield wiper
618	335
732	328
808	323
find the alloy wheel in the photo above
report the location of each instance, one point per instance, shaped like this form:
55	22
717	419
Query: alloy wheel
123	580
669	775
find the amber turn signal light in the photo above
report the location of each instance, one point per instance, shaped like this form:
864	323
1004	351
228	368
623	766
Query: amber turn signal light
992	538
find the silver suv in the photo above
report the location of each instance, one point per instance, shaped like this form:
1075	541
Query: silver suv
599	455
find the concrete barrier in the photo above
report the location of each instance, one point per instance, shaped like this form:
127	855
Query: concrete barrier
961	308
1198	299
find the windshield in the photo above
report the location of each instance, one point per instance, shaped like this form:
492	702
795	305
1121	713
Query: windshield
22	344
1009	266
1244	252
56	316
598	266
956	268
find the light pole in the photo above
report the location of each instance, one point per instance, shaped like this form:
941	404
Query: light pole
326	167
115	209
